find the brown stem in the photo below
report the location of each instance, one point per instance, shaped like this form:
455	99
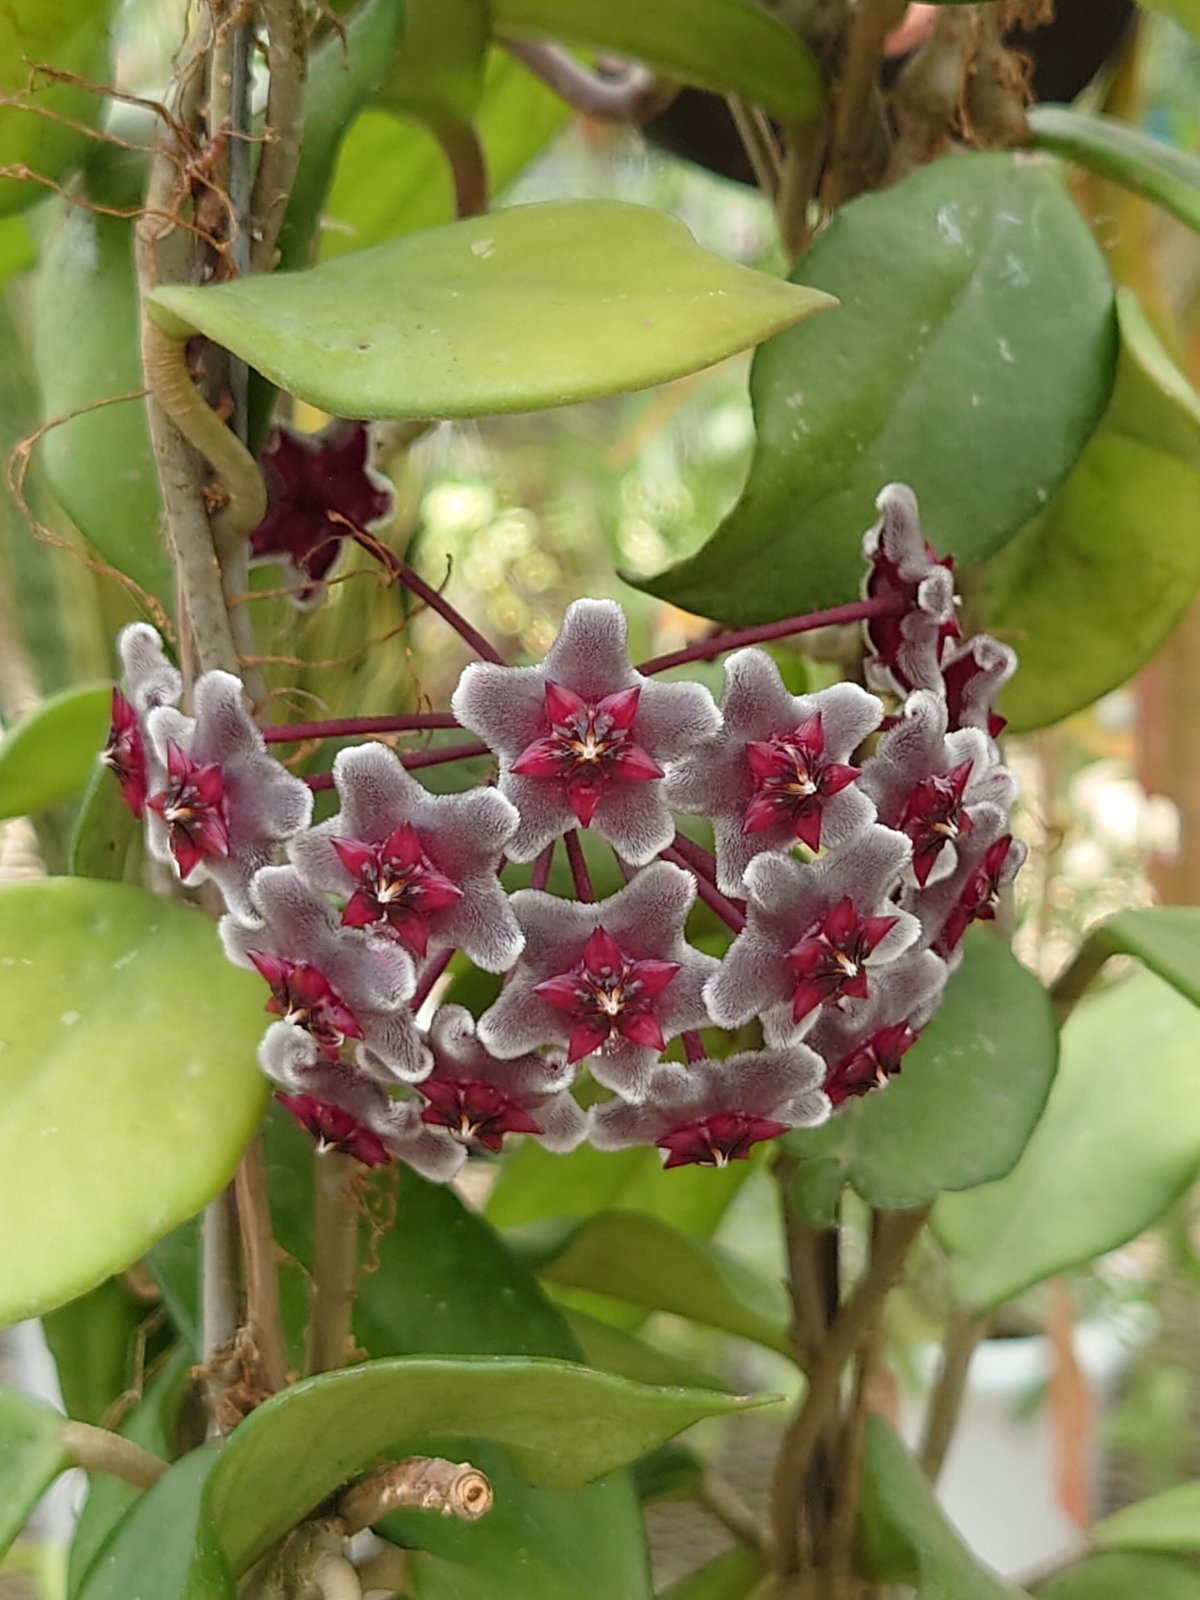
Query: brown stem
263	1313
758	142
896	1233
283	127
468	168
722	1501
428	1483
335	1261
964	1330
98	1450
634	95
1074	981
810	1313
853	124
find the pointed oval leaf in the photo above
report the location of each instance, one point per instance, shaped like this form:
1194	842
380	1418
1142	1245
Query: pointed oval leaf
967	1101
1091	587
729	46
1106	145
49	755
1118	1576
1119	1142
976	330
644	1260
538	306
563	1424
1167	1521
118	1115
1164	938
32	1455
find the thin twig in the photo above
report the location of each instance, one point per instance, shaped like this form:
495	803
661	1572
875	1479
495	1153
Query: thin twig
399	568
897	1231
718	643
263	1313
758	142
964	1330
846	173
634	95
335	1261
580	876
541	867
351	727
708	892
283	129
98	1450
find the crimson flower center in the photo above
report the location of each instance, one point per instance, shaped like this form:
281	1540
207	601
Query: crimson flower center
193	808
475	1112
718	1139
830	960
589	743
301	994
934	815
792	781
609	991
398	886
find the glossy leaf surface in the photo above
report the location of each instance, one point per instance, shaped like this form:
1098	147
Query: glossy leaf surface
975	331
1164	938
963	1108
1119	1142
906	1537
641	1259
730	46
1167	1521
49	754
86	350
1121	1577
437	72
35	131
562	1423
508	312
118	1115
31	1456
1091	587
1106	145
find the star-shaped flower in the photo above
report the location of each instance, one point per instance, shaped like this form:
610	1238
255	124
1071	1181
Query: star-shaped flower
973	676
777	771
226	803
987	863
481	1099
615	977
335	986
905	650
813	936
150	680
928	783
713	1112
343	1109
417	867
583	738
308	476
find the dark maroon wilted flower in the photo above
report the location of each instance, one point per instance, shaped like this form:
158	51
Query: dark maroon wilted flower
906	649
335	1129
309	476
124	754
416	866
583	738
616	978
302	994
712	1112
777	770
980	893
150	680
870	1064
973	676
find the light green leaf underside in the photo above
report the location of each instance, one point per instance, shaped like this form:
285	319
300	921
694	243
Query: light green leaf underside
1090	588
563	1425
730	46
32	1455
538	306
1164	938
1119	1141
49	755
1119	1576
119	1115
1168	176
1167	1521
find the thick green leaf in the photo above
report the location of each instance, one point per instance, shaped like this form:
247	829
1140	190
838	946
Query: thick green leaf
508	312
1119	1142
1164	938
32	1455
1091	587
392	177
976	331
563	1424
614	1350
92	1340
164	1549
106	841
1125	1577
970	1094
49	755
118	1115
36	132
343	75
1167	1521
639	1258
437	73
731	46
86	349
905	1536
732	1576
1106	145
149	1423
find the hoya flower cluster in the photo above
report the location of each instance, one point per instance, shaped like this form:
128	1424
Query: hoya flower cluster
856	836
